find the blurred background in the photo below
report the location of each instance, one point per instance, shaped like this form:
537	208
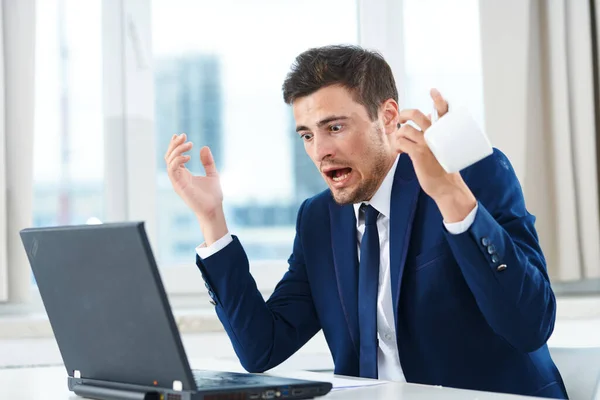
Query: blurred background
217	76
93	91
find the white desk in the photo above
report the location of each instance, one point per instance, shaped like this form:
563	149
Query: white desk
51	383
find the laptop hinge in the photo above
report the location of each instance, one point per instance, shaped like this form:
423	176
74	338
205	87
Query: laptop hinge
104	393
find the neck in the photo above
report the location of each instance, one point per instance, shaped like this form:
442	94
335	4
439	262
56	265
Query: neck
388	167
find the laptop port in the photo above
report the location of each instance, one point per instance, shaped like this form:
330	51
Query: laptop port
297	392
269	394
253	396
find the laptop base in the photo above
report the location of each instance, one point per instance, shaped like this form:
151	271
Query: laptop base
101	390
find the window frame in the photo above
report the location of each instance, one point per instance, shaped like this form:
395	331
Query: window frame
3	162
128	113
17	85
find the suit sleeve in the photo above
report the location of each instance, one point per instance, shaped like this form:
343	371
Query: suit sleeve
263	334
501	259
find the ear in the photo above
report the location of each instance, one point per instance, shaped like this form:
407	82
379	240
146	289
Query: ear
390	114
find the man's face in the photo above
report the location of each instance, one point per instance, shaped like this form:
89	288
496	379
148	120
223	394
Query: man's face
351	151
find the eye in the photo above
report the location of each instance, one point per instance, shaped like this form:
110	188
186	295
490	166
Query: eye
335	128
306	136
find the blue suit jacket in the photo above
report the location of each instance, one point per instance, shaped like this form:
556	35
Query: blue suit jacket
460	321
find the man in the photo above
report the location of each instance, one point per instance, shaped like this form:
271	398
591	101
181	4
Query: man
412	273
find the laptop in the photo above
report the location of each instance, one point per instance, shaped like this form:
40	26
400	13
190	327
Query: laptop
113	324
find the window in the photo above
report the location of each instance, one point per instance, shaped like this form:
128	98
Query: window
442	49
216	74
219	67
68	138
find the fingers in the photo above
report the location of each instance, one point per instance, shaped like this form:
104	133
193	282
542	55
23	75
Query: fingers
176	140
411	133
411	141
417	117
440	104
407	146
178	151
208	162
175	158
178	162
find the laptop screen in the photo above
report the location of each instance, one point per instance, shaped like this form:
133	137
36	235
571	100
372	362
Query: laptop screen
106	303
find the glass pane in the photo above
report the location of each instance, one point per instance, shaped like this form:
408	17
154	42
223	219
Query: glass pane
442	49
68	141
219	67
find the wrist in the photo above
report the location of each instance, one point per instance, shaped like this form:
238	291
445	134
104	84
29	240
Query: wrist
213	225
456	204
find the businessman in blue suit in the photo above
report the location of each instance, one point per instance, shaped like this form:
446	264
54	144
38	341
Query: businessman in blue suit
413	274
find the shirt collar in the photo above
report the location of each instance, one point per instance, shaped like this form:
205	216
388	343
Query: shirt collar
382	198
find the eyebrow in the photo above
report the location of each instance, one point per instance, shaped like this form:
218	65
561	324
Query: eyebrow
322	122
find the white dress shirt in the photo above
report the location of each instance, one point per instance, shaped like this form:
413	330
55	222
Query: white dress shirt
388	359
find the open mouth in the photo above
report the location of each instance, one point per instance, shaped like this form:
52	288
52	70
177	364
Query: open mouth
339	175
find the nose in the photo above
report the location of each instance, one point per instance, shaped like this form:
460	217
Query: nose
323	147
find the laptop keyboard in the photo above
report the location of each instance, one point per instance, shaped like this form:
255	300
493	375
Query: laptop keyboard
206	379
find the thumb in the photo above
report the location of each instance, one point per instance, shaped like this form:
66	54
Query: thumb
208	162
440	104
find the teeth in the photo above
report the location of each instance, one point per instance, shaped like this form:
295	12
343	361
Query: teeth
341	177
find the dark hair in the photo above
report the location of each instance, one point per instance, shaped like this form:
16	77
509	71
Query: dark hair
363	72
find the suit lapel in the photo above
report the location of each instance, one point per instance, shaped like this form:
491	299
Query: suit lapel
345	258
403	206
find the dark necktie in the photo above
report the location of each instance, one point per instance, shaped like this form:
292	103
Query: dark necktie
368	282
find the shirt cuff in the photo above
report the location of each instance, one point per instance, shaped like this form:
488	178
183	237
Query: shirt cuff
456	228
204	251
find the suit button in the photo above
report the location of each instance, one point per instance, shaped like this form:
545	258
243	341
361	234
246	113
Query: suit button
212	298
485	241
501	267
495	258
491	249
